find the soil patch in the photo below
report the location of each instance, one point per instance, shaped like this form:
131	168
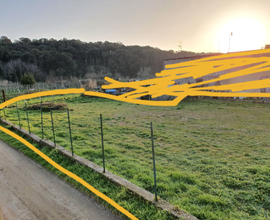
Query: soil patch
47	105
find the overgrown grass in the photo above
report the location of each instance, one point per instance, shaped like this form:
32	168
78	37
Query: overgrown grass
212	156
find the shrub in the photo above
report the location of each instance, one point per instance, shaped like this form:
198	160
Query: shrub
28	79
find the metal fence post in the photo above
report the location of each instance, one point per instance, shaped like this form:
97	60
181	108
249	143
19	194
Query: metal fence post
4	97
41	117
18	116
4	116
70	132
153	151
52	125
102	143
27	117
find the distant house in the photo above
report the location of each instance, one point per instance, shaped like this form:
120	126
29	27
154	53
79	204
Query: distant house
251	77
186	59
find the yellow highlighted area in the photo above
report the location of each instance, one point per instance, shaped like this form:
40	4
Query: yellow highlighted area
164	83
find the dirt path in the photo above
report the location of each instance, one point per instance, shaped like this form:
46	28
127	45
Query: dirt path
28	191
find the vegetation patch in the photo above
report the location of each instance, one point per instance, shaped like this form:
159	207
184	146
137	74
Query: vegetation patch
47	106
212	156
134	204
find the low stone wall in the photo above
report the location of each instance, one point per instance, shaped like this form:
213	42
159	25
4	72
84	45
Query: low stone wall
3	82
146	195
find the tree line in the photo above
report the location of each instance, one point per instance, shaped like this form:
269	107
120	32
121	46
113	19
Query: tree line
65	58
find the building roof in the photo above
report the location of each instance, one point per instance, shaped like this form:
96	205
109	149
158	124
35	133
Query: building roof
194	57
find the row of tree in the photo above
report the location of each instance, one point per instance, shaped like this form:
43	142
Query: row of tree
74	58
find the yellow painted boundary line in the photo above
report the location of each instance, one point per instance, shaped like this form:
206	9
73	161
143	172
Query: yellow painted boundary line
49	160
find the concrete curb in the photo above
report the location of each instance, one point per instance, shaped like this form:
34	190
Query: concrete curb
146	195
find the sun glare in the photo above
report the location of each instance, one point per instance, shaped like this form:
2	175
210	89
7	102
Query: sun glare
240	35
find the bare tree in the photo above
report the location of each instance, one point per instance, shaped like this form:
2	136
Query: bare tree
12	70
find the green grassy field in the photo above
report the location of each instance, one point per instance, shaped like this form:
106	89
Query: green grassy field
212	156
134	204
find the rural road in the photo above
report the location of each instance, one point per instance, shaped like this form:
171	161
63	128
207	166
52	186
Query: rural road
28	191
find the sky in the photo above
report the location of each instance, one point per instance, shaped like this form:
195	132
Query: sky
197	25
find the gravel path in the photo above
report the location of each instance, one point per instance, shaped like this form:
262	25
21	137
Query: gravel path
28	191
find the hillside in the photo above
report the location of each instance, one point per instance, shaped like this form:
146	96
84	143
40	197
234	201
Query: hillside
47	58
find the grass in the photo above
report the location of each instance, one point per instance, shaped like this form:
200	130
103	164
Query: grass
212	156
52	99
138	207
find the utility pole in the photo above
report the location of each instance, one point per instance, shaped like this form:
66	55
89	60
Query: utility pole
180	46
230	41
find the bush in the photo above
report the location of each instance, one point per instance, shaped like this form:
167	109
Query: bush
28	79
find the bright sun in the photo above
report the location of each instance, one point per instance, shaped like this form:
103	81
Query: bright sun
247	34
